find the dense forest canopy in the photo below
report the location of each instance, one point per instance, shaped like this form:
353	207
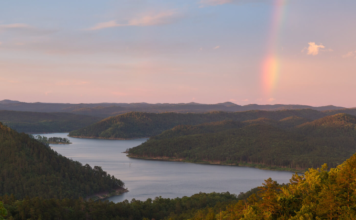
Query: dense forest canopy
78	209
261	142
30	168
45	122
318	194
138	124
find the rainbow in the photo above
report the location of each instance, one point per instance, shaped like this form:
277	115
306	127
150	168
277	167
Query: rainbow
271	63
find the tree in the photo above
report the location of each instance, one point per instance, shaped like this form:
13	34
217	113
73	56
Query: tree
3	211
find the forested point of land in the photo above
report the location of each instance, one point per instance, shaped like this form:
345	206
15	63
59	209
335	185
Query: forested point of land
139	124
37	122
30	168
290	143
318	194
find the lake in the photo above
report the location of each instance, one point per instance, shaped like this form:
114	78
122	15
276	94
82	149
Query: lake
149	179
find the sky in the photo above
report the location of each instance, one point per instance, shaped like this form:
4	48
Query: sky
179	51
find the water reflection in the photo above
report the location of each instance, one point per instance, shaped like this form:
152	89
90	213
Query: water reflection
149	179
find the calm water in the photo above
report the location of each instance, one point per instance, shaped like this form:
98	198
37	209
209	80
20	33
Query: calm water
149	179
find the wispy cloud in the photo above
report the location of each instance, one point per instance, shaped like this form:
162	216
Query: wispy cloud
350	54
24	28
315	49
215	2
14	26
147	20
217	47
72	83
119	94
204	3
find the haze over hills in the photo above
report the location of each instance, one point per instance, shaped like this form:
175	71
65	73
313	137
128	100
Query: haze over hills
111	109
34	122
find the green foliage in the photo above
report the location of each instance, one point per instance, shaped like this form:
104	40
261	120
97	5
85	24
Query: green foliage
262	143
77	209
3	211
30	168
138	124
318	194
45	122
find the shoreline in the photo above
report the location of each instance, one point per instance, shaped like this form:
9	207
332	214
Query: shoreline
219	163
105	195
101	138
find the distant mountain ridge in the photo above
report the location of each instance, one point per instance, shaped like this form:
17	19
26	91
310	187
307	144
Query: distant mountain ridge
111	109
36	122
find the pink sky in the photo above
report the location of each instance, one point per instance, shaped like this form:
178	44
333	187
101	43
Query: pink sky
181	51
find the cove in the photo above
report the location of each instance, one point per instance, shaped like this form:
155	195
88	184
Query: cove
149	179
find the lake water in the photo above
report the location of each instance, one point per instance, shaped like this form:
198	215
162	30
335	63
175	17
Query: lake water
149	179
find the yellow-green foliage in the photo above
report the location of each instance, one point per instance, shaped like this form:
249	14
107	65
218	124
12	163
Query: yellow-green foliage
318	194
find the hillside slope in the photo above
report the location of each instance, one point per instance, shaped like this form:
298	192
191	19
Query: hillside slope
45	122
268	143
30	168
138	124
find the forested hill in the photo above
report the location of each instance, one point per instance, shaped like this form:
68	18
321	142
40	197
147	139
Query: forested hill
318	194
30	168
264	143
138	124
45	122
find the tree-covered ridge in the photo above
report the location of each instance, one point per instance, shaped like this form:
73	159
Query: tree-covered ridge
266	143
45	122
78	209
30	168
318	194
138	124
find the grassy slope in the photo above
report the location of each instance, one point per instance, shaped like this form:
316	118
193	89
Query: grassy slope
45	122
136	124
29	168
331	140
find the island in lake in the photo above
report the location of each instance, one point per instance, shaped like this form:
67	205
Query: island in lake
52	140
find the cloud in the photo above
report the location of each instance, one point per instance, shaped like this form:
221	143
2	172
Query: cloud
72	83
119	94
222	2
217	47
350	54
271	99
215	2
14	26
314	49
24	28
148	20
